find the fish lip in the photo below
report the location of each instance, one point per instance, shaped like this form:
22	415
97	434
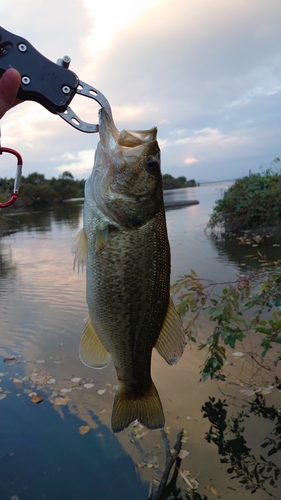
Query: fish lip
108	132
123	195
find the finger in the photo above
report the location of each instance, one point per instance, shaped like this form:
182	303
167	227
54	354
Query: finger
9	86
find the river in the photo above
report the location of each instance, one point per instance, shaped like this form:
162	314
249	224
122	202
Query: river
63	448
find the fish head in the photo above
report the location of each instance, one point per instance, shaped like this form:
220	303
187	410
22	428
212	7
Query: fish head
126	180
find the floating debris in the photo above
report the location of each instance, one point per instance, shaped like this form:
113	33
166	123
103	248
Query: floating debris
9	359
247	392
238	354
191	481
60	401
17	382
83	429
211	488
38	379
75	380
36	398
64	390
88	386
183	454
186	479
265	390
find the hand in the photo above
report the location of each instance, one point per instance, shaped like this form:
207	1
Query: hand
9	86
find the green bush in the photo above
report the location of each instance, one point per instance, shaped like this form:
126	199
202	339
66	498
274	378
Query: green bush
251	202
250	304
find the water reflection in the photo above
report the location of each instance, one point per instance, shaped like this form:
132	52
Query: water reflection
70	216
44	456
253	471
8	268
37	298
244	251
67	216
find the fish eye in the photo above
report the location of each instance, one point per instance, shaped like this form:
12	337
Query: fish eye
152	164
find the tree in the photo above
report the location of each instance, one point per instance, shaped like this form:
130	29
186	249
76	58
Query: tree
183	180
67	175
35	178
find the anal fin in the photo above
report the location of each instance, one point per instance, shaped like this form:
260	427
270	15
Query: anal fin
91	351
171	341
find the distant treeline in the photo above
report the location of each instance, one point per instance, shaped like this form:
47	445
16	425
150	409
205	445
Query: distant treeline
170	182
38	191
44	192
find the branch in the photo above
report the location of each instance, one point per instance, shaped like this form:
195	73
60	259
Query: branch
171	458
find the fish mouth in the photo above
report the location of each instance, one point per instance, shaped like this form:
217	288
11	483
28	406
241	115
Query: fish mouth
121	150
111	139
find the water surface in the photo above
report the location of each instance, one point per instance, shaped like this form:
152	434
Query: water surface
42	313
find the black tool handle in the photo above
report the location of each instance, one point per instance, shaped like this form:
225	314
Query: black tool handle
43	81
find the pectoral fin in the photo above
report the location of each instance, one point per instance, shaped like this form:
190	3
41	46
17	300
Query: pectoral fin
80	249
91	351
171	341
102	239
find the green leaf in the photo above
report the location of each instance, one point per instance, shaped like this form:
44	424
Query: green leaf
202	346
263	330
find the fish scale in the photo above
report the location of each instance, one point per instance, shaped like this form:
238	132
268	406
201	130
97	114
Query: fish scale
127	302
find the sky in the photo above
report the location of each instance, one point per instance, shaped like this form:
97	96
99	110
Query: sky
207	73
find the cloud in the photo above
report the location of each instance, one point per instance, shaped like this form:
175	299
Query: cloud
206	73
190	161
78	164
110	18
213	137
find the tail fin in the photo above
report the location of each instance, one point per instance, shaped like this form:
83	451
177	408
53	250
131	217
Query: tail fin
147	409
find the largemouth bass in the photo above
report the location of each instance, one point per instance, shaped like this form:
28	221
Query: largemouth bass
125	247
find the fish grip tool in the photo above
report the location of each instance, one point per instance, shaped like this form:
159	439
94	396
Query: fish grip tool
17	176
53	85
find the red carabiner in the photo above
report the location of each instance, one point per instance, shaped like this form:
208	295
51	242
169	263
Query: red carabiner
17	177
